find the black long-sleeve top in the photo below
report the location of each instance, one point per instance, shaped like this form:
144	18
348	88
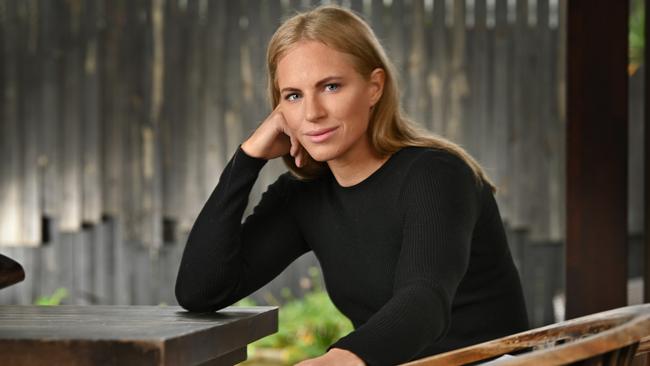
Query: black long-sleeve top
415	255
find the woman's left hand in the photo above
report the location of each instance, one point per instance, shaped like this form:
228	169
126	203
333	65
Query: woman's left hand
335	356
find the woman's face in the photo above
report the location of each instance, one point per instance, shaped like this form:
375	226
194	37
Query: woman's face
326	102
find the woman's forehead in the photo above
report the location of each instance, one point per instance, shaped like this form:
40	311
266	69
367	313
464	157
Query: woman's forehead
310	61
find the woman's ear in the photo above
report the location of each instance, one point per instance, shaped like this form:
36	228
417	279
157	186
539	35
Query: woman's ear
377	78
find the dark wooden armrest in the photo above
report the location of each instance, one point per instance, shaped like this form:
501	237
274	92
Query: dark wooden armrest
11	272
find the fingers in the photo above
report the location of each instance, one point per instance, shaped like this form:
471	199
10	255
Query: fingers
296	151
295	146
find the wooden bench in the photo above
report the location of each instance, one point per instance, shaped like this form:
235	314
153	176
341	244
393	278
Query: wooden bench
613	337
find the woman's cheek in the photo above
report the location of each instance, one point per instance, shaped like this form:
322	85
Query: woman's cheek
293	123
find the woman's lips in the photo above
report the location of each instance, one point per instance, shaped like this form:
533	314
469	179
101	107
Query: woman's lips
321	135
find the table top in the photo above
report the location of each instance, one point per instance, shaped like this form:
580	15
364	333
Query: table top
163	335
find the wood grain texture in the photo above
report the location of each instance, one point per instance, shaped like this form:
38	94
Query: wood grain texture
609	338
596	182
118	335
646	157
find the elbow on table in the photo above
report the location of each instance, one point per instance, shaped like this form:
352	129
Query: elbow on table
192	304
194	300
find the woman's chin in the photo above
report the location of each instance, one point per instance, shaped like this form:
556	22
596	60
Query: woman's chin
321	155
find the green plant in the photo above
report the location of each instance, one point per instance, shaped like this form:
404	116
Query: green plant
307	326
637	34
54	299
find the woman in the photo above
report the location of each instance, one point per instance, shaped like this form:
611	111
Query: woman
404	225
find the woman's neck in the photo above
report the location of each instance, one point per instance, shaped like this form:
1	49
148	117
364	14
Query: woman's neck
350	171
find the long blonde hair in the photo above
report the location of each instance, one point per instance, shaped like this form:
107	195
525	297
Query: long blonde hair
389	129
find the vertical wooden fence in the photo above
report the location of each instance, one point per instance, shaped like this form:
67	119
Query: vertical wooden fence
118	116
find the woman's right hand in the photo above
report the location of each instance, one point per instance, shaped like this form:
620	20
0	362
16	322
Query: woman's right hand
273	139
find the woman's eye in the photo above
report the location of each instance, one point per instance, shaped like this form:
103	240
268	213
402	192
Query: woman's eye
332	86
291	97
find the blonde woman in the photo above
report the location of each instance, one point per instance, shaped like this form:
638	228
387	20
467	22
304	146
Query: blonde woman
404	224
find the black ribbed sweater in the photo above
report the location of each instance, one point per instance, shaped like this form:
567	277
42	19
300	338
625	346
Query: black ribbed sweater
415	255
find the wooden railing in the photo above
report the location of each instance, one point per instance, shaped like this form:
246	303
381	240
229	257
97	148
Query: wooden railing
612	337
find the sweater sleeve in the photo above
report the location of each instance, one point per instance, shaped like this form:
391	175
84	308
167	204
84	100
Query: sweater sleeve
441	207
225	260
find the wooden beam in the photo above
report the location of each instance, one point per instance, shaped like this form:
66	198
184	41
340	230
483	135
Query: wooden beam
646	113
597	110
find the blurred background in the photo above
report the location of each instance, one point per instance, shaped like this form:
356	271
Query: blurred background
117	117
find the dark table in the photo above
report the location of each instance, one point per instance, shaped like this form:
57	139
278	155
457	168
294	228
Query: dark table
129	335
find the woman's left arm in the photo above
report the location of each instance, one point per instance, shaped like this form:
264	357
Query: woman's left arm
442	206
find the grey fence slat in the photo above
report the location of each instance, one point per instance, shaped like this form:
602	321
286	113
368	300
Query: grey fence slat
469	123
50	180
458	84
520	152
501	90
213	105
48	268
427	72
396	46
103	264
376	20
557	141
4	174
233	117
134	53
250	113
480	64
145	134
65	258
84	261
113	109
130	134
170	129
439	69
293	5
543	128
173	129
635	169
273	13
152	63
30	112
357	6
416	94
90	102
167	269
154	173
71	137
10	211
124	262
142	285
131	165
194	183
255	106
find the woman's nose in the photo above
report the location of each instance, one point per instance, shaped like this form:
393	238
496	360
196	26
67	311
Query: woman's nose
313	109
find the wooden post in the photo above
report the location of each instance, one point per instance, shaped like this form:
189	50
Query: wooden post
646	144
597	84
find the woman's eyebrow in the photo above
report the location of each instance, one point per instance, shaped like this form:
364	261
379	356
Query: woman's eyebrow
318	83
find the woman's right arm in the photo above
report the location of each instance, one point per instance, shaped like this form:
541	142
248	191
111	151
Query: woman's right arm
225	260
